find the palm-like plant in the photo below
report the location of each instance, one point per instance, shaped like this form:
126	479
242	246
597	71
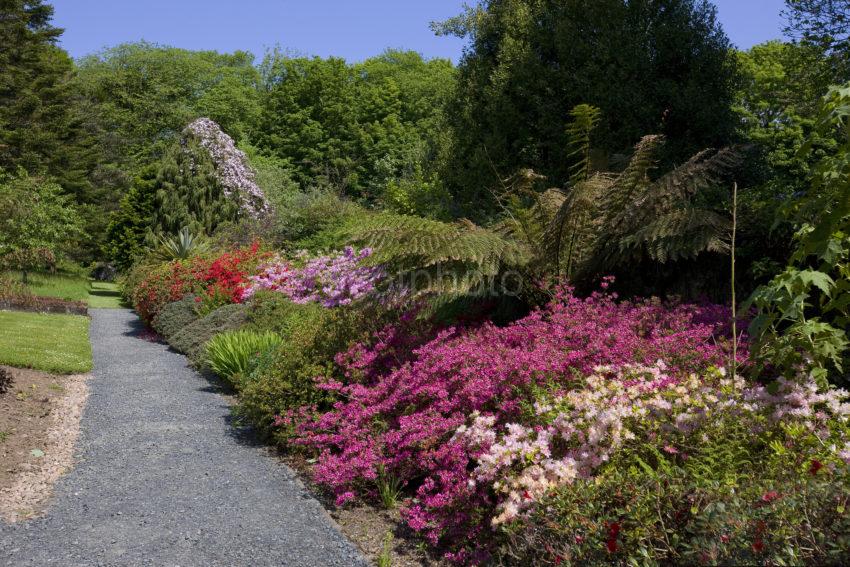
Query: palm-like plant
180	246
603	220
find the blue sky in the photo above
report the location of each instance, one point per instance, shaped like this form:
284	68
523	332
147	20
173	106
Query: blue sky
354	29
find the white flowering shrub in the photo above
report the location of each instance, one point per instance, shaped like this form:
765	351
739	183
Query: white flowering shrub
231	165
570	436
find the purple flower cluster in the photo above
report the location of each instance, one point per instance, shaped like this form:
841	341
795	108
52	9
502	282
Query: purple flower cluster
231	165
399	419
329	280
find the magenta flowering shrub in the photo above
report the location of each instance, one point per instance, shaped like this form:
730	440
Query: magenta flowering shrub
231	164
329	280
400	420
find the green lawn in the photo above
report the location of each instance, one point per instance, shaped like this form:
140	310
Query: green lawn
97	294
104	295
53	343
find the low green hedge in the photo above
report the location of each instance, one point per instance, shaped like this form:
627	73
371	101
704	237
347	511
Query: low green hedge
176	316
192	338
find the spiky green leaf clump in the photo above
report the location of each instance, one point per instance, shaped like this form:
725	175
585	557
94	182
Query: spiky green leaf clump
180	246
230	354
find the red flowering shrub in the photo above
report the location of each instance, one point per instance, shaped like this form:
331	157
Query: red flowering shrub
215	282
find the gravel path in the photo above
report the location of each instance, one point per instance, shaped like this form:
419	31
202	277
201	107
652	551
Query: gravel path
163	479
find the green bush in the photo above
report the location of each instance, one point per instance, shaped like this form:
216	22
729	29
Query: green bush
232	354
272	311
284	379
175	316
673	518
191	340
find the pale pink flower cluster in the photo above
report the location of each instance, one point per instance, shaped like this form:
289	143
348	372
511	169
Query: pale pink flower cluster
580	430
331	280
231	165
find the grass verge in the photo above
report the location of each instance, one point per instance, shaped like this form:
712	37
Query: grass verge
104	295
52	343
99	295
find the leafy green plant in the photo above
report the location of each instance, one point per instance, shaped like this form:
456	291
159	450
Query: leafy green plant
231	354
385	559
192	338
429	255
605	220
285	379
389	488
803	312
180	246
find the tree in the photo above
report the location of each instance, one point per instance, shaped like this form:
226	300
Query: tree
36	221
41	128
128	227
804	311
359	127
825	23
651	65
203	182
778	102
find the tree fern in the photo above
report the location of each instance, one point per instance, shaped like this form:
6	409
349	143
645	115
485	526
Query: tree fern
584	120
429	255
607	219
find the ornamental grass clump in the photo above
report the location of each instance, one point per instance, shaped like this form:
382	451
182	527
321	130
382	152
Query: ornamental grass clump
232	354
398	417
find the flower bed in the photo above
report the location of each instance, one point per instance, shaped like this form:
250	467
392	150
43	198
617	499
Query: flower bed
400	423
215	282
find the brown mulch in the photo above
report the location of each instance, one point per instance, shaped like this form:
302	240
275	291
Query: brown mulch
371	528
39	424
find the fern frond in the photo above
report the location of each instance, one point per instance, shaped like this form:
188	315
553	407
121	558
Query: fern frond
584	119
679	234
430	255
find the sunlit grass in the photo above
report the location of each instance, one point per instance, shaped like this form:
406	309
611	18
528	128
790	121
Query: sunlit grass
53	343
74	288
104	295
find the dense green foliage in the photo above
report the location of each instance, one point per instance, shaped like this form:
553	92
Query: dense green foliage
190	340
803	311
652	67
41	129
233	354
175	316
825	23
358	127
36	222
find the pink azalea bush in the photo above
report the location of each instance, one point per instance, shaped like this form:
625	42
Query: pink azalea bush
331	280
399	420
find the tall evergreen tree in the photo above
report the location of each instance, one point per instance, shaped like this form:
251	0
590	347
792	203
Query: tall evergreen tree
189	193
40	128
652	66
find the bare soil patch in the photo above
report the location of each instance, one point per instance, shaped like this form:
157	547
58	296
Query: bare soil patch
39	424
376	531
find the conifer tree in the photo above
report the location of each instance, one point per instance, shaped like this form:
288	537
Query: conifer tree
40	128
189	193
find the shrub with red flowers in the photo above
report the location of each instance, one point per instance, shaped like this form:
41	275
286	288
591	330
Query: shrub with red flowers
399	421
215	281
